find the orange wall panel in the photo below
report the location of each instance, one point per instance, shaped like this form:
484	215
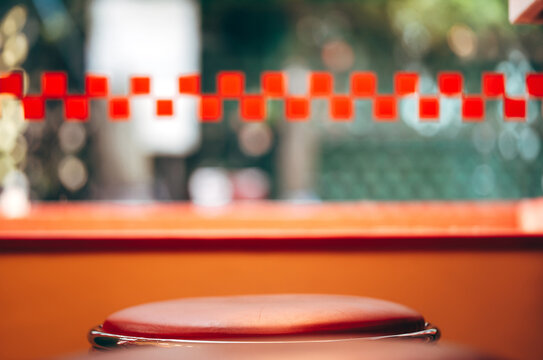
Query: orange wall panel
489	300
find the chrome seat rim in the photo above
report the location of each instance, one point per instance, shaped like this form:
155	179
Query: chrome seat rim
98	338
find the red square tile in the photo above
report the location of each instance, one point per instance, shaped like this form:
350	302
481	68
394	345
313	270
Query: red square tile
274	84
341	108
296	108
164	107
450	83
534	83
189	84
405	83
140	85
321	84
231	84
34	107
385	108
76	107
514	109
54	84
363	84
493	84
253	107
210	108
96	86
119	108
429	108
12	83
473	108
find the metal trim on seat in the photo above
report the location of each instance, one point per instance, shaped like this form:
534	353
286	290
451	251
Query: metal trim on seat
102	340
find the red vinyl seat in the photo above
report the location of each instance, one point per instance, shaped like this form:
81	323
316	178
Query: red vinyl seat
262	318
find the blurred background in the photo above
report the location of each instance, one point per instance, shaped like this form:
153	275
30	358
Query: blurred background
212	164
488	295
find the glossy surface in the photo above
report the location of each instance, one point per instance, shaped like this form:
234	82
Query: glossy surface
70	226
214	318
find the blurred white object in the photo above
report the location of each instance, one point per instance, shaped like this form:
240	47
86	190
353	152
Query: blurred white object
14	202
14	199
155	38
210	186
530	215
159	38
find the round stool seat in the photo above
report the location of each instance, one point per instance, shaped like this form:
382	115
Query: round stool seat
262	318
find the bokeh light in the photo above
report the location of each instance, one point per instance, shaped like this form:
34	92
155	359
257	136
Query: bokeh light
462	41
14	201
210	186
18	153
311	30
15	50
416	39
483	180
8	136
71	136
337	55
529	144
14	20
255	139
251	184
72	173
507	144
484	138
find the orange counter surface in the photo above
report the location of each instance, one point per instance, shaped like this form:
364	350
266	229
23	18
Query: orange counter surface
71	226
